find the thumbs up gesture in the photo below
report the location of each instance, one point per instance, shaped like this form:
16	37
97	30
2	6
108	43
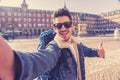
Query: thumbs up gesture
101	51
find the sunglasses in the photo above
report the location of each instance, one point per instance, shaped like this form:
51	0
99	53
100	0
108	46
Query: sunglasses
66	25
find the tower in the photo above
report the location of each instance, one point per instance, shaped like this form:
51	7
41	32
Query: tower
24	5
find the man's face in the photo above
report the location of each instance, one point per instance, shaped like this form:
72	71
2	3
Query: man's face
63	27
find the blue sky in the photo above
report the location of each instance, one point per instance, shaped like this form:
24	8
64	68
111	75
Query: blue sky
87	6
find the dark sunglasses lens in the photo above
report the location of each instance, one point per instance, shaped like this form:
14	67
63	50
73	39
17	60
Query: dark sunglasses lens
59	26
67	24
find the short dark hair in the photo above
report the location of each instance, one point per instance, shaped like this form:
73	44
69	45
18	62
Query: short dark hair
61	12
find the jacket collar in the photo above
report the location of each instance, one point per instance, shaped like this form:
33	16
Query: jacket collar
62	44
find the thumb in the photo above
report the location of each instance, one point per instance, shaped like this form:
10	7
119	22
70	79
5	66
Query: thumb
100	45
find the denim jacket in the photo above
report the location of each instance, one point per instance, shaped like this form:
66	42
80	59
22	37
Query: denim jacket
37	63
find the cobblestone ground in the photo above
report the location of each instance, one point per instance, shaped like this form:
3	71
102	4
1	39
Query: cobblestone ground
104	68
107	68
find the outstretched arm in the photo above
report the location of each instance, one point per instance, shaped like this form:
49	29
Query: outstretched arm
92	52
32	64
6	61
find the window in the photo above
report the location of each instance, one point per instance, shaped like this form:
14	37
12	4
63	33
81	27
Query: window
38	20
42	15
34	15
19	19
9	13
34	25
48	25
34	20
25	19
19	25
39	25
39	15
43	20
25	25
3	19
15	14
30	19
3	13
19	14
9	19
16	20
30	25
30	14
25	14
47	20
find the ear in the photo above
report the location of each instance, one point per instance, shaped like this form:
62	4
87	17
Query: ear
54	28
73	27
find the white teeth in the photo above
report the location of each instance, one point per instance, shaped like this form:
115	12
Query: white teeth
64	33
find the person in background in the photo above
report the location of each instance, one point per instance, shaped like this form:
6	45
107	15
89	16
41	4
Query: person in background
64	55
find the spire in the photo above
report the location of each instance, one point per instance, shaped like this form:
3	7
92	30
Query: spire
65	5
24	1
24	5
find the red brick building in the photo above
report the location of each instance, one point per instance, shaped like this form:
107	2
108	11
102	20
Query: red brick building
22	20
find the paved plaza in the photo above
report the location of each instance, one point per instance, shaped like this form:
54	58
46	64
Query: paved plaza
109	43
96	68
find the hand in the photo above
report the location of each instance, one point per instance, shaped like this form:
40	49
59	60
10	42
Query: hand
6	61
101	51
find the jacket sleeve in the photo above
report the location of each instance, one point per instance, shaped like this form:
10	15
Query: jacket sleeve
39	62
89	52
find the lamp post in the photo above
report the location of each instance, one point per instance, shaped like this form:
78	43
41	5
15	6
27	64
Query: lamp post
13	35
11	28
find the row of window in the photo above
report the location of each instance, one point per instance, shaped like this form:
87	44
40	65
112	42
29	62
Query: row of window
32	25
48	25
9	19
25	14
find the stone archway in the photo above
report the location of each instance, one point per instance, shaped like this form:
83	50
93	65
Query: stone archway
9	28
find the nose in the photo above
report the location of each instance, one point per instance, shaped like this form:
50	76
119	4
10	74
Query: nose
63	27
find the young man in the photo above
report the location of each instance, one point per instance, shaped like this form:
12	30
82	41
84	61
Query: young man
64	55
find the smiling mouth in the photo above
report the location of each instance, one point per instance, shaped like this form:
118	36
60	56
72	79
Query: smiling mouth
64	32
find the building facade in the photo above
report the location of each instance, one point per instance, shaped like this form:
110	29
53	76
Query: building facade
22	21
32	21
